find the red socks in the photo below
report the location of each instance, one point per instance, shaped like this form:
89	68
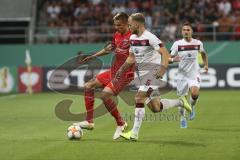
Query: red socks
109	103
112	108
89	104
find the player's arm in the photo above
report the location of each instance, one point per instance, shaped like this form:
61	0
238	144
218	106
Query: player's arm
109	47
127	64
106	50
205	61
170	59
204	57
174	54
164	63
174	58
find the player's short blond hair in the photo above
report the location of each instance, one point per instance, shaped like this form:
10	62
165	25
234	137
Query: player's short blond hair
138	17
121	16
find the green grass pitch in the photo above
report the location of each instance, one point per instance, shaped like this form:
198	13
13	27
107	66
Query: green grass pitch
30	130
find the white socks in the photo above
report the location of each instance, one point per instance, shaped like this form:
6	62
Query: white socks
139	115
169	103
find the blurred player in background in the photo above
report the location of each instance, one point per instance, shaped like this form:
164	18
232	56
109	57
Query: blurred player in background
120	45
3	77
148	51
185	51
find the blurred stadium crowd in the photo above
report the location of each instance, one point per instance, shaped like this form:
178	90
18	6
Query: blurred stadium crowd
76	21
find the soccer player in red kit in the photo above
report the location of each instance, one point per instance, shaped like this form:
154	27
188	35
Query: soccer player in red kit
120	45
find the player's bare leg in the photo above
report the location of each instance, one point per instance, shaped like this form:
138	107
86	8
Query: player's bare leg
157	105
106	96
89	103
193	100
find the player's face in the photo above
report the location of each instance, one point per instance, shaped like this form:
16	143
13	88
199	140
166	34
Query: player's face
187	32
120	26
133	26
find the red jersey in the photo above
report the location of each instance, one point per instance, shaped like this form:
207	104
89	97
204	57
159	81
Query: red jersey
122	44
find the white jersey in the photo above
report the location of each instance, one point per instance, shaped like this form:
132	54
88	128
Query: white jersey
188	51
145	49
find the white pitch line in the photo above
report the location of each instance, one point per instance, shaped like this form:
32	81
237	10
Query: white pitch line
12	96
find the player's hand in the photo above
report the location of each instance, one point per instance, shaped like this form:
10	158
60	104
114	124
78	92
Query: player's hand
118	75
159	72
158	75
109	48
177	59
88	58
205	69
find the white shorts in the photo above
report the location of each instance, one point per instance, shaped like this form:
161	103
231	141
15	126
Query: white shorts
149	81
145	88
185	83
146	78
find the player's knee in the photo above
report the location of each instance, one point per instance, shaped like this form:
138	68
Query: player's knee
155	105
88	85
194	96
104	97
139	99
157	109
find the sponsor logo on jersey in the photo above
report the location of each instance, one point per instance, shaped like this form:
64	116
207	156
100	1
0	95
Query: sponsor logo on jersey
144	42
188	47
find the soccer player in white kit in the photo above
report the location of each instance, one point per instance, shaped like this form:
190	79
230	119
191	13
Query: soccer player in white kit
146	50
185	51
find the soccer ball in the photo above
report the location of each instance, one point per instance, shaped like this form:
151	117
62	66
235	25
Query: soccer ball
74	132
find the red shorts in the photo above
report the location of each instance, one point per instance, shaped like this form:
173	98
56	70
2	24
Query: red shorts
106	78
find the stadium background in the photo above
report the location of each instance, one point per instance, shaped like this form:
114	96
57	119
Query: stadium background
54	31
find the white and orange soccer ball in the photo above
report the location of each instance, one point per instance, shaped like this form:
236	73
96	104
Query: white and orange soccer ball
74	132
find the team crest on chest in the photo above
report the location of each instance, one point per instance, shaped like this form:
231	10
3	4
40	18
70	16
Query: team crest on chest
125	41
136	51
